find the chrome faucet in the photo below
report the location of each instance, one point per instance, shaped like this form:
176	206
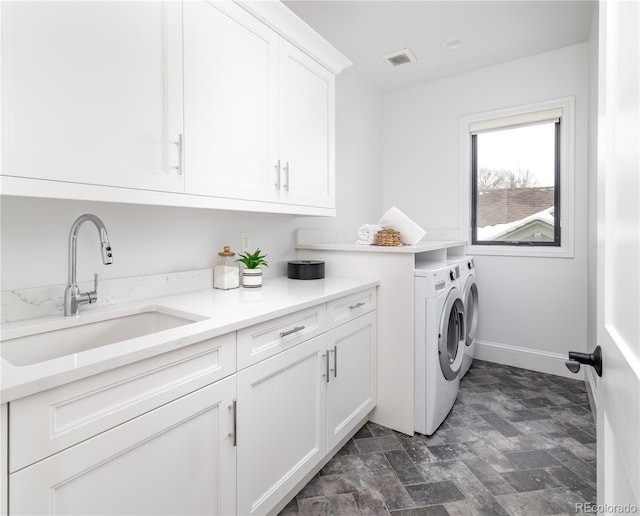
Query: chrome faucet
73	298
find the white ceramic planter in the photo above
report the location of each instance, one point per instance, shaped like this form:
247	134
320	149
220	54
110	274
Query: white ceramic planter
252	278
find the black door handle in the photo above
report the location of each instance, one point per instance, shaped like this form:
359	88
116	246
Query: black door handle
593	359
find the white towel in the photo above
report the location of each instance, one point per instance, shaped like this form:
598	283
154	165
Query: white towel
410	232
367	234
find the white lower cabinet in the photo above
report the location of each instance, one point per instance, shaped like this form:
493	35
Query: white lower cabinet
176	459
297	406
351	390
281	424
189	432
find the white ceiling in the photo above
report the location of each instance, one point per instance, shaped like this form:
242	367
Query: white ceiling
492	32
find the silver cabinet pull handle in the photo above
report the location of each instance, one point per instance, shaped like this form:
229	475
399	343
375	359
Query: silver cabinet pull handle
277	167
335	360
357	305
326	374
286	176
234	432
179	143
294	330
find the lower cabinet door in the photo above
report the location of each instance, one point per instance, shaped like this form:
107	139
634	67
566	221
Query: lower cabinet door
178	459
281	424
351	391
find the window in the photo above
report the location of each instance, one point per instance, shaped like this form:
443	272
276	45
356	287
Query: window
519	172
515	183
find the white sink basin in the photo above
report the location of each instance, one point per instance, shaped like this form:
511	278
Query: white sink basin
42	346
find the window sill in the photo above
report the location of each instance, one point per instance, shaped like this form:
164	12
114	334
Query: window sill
530	251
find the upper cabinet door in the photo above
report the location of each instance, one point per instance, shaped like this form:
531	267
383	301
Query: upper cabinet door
307	125
92	92
230	61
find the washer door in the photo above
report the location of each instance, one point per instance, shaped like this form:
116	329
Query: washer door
452	335
471	309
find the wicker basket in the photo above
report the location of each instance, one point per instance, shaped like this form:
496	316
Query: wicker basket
388	237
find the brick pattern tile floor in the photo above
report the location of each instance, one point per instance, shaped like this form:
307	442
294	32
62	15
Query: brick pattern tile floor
517	442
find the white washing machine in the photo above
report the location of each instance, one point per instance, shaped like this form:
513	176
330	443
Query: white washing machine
469	290
439	345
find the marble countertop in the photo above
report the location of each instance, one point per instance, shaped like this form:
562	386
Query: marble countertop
220	311
420	247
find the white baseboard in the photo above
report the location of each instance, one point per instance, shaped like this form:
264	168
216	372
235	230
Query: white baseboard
526	358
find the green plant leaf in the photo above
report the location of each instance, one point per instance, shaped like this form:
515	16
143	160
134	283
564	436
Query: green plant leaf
253	260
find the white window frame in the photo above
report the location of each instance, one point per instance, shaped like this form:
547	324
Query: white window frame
567	175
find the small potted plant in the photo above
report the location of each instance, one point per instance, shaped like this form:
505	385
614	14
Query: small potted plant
252	275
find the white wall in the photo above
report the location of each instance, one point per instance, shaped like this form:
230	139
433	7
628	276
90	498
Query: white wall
151	239
145	239
533	310
358	155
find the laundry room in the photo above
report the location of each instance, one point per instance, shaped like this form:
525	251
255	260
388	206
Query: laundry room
311	257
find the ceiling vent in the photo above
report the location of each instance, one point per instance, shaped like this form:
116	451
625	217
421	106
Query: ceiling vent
452	44
400	57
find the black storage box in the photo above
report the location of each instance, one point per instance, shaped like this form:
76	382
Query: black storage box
305	269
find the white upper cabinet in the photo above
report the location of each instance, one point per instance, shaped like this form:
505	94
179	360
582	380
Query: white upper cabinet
307	100
259	116
208	104
92	93
230	65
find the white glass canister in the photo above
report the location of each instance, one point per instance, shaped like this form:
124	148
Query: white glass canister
226	273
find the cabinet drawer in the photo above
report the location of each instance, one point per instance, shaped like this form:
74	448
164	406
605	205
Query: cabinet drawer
347	308
48	422
269	338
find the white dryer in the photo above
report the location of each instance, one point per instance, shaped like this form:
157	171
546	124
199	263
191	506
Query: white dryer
469	290
439	345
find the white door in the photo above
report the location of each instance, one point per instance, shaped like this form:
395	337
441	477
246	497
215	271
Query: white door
230	63
351	390
178	459
307	98
619	255
281	424
92	92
